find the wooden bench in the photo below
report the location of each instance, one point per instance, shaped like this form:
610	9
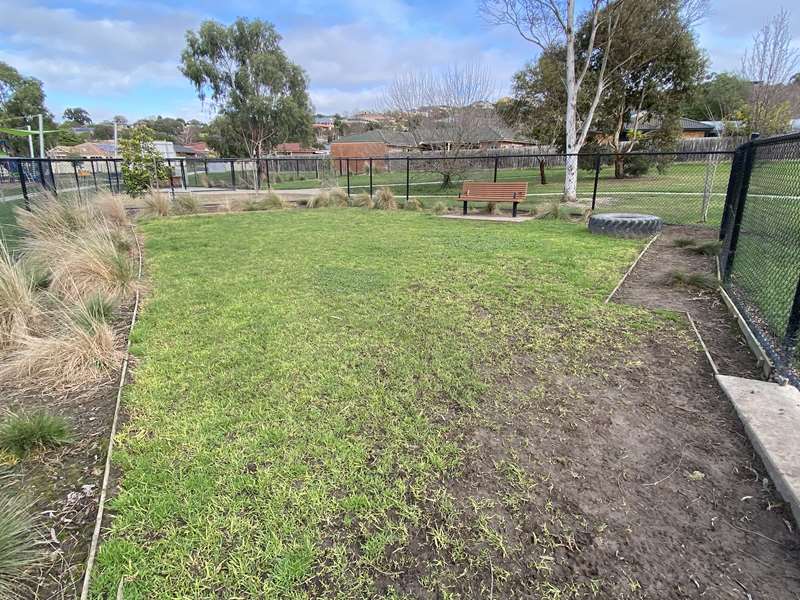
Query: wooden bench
481	191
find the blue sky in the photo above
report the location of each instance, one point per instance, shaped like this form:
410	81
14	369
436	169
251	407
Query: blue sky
120	57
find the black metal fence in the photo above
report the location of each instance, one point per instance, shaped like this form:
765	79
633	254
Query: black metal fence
680	187
760	257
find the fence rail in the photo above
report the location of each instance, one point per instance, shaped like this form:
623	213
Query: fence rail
760	256
680	187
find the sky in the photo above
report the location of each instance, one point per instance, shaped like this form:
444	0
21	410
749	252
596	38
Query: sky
121	57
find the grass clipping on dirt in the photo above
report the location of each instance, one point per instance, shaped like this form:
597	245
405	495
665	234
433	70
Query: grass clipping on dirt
293	417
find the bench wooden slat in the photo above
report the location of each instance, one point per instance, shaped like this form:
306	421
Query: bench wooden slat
481	191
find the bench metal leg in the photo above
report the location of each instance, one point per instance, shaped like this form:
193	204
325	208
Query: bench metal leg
465	207
514	209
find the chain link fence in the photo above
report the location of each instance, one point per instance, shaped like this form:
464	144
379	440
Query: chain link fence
760	257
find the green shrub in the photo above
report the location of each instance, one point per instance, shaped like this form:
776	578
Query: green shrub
19	434
142	164
18	545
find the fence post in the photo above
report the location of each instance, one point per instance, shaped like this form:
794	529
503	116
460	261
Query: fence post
77	179
596	178
94	175
23	185
408	173
297	167
347	165
739	211
116	174
370	177
183	173
316	168
793	325
52	176
108	176
41	174
233	174
496	160
258	174
171	185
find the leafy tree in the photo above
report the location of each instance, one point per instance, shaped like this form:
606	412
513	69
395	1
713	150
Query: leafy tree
250	81
120	120
77	115
142	164
103	131
223	138
66	137
652	84
164	128
718	98
20	97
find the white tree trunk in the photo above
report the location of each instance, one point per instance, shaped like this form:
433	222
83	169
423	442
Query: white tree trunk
571	118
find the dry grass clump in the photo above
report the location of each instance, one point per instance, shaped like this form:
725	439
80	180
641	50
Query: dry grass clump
186	204
18	545
71	359
440	207
413	204
362	200
19	305
112	209
321	199
491	208
93	261
696	280
338	198
156	204
384	199
268	201
55	216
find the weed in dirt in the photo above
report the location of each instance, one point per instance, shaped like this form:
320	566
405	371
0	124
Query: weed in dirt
18	546
710	248
22	433
696	280
683	242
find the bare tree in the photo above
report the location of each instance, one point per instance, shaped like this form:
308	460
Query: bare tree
551	24
444	111
770	63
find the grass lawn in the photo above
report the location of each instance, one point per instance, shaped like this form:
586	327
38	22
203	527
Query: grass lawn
8	228
302	378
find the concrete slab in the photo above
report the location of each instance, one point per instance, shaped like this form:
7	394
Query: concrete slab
495	218
771	416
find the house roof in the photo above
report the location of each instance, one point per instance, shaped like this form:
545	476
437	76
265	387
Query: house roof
433	135
292	147
687	124
86	150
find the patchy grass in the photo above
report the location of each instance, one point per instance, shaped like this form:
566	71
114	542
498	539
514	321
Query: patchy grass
301	379
696	280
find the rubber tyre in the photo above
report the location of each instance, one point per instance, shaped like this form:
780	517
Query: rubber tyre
628	225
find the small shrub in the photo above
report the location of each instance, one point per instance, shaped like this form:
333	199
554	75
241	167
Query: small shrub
18	545
319	200
156	204
384	199
70	359
19	306
491	208
440	207
338	198
273	201
94	311
413	204
233	205
186	204
696	280
22	433
362	200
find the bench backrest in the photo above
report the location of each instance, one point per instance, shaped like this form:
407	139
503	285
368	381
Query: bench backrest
513	191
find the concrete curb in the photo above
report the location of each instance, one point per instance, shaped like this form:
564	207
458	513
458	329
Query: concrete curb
770	414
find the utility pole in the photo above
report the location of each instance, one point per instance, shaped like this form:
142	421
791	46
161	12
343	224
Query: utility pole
30	141
41	136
